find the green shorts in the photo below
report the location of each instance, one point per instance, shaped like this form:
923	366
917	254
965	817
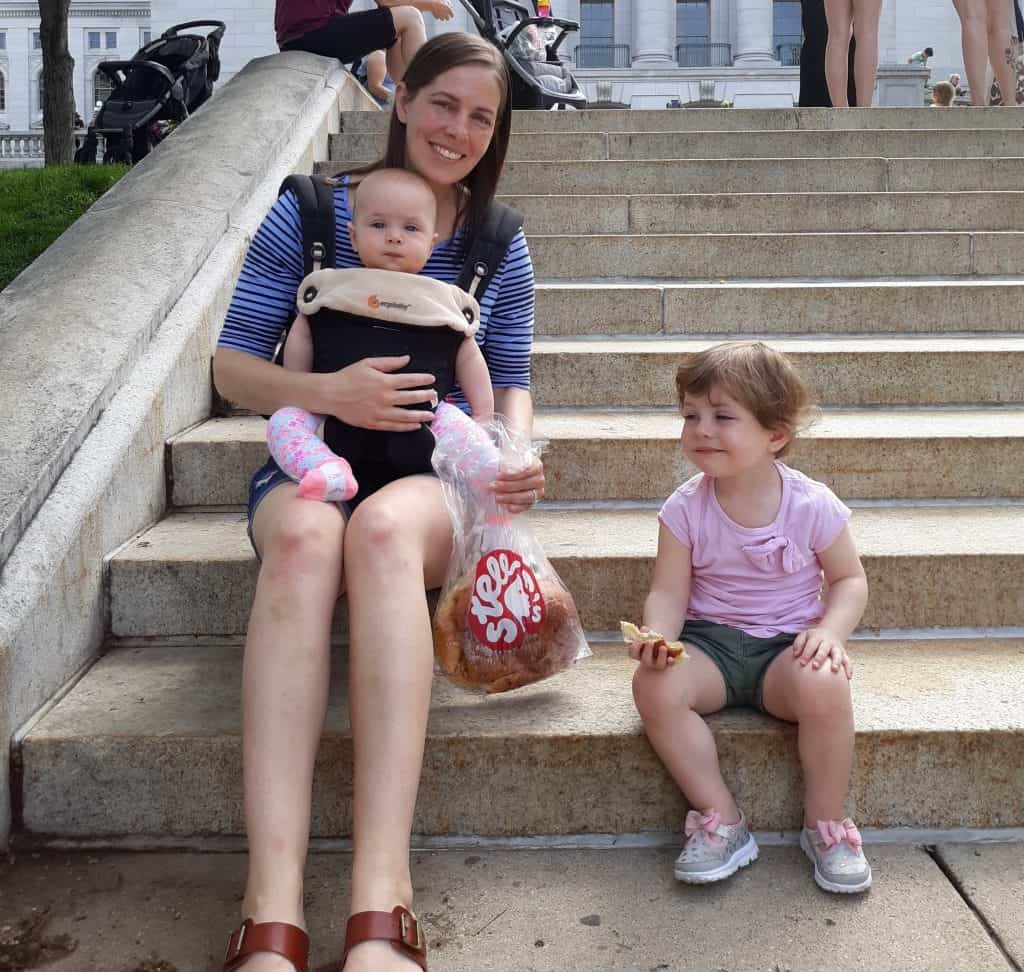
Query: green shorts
740	657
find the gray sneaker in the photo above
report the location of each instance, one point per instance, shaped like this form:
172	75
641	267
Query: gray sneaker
839	863
713	850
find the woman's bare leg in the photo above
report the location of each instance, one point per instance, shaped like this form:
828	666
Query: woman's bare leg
412	35
397	544
998	41
284	697
974	40
839	15
376	72
670	703
866	14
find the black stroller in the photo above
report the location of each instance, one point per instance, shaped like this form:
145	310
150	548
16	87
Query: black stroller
166	80
530	45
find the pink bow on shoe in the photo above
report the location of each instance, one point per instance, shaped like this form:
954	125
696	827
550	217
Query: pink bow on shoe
706	823
834	832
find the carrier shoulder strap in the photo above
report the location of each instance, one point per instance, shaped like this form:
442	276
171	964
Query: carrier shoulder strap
488	248
316	213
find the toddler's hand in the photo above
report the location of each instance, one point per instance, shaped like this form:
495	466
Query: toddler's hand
816	646
650	654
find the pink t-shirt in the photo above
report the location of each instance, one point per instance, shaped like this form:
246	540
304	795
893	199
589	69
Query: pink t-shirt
764	580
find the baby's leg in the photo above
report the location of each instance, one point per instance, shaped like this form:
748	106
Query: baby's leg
467	444
303	455
819	701
671	702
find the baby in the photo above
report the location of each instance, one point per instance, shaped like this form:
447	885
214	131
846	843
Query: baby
383	310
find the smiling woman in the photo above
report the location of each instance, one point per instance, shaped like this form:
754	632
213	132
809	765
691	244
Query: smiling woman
451	126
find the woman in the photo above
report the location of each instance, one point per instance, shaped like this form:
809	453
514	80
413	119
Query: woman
859	17
985	36
451	125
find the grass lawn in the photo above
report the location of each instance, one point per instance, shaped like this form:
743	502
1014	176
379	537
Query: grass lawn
37	205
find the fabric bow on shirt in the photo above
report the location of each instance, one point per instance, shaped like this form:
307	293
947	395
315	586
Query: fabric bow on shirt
764	554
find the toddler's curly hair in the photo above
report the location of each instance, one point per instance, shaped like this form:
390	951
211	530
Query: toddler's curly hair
761	379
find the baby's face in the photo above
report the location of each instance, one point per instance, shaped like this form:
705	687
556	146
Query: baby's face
393	227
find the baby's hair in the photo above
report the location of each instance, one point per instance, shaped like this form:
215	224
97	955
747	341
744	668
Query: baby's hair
944	93
400	175
759	378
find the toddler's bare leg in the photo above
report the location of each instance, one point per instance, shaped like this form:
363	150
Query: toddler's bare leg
819	701
670	702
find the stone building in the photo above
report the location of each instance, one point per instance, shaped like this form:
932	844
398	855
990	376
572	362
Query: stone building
641	53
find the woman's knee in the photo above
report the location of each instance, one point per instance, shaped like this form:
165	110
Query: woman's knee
406	19
305	536
378	531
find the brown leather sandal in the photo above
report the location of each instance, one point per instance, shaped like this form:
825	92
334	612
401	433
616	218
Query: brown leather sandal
282	939
399	927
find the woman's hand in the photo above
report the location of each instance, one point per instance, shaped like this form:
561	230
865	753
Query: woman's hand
368	395
815	646
518	491
650	654
441	9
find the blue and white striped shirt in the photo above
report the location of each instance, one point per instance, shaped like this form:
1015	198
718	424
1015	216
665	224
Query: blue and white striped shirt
264	296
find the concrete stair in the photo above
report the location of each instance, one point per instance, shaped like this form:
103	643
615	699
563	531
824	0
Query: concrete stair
882	250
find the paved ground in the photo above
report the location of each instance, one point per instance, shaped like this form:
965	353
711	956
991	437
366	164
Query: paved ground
951	908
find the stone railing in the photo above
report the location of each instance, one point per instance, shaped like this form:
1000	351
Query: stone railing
21	145
105	346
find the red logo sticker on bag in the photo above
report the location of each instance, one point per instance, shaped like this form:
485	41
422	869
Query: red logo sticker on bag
506	603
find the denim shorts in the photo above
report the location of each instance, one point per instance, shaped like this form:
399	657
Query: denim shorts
268	477
742	658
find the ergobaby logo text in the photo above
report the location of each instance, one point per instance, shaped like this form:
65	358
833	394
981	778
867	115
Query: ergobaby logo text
376	303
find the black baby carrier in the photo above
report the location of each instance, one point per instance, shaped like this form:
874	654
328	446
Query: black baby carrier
530	47
165	82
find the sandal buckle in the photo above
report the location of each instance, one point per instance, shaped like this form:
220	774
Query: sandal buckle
418	941
235	940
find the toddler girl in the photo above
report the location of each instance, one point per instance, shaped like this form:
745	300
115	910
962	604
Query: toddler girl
384	309
742	549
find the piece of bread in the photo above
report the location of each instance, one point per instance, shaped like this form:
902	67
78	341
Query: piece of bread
630	632
473	665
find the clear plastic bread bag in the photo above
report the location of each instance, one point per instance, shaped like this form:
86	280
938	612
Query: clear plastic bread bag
504	618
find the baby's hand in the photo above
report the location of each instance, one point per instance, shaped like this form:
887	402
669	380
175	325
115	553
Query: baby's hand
815	646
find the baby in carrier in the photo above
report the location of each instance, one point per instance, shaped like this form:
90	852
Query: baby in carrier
382	309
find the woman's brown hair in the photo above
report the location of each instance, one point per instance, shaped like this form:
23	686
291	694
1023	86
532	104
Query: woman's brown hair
760	378
437	55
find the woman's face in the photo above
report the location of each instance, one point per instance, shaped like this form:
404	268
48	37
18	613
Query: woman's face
450	122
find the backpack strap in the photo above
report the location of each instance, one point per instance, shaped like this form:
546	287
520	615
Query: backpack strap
500	226
316	213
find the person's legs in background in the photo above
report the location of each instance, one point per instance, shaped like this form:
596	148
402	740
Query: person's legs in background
865	29
412	35
839	15
998	20
974	39
813	88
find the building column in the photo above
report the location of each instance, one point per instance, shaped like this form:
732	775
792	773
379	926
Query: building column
654	33
568	10
754	32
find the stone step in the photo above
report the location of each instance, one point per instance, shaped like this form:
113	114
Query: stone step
730	120
777	255
148	744
806	212
655	144
848	371
947	565
914	174
863	454
726	308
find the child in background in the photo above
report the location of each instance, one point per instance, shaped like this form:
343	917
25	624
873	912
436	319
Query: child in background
394	213
742	549
943	94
